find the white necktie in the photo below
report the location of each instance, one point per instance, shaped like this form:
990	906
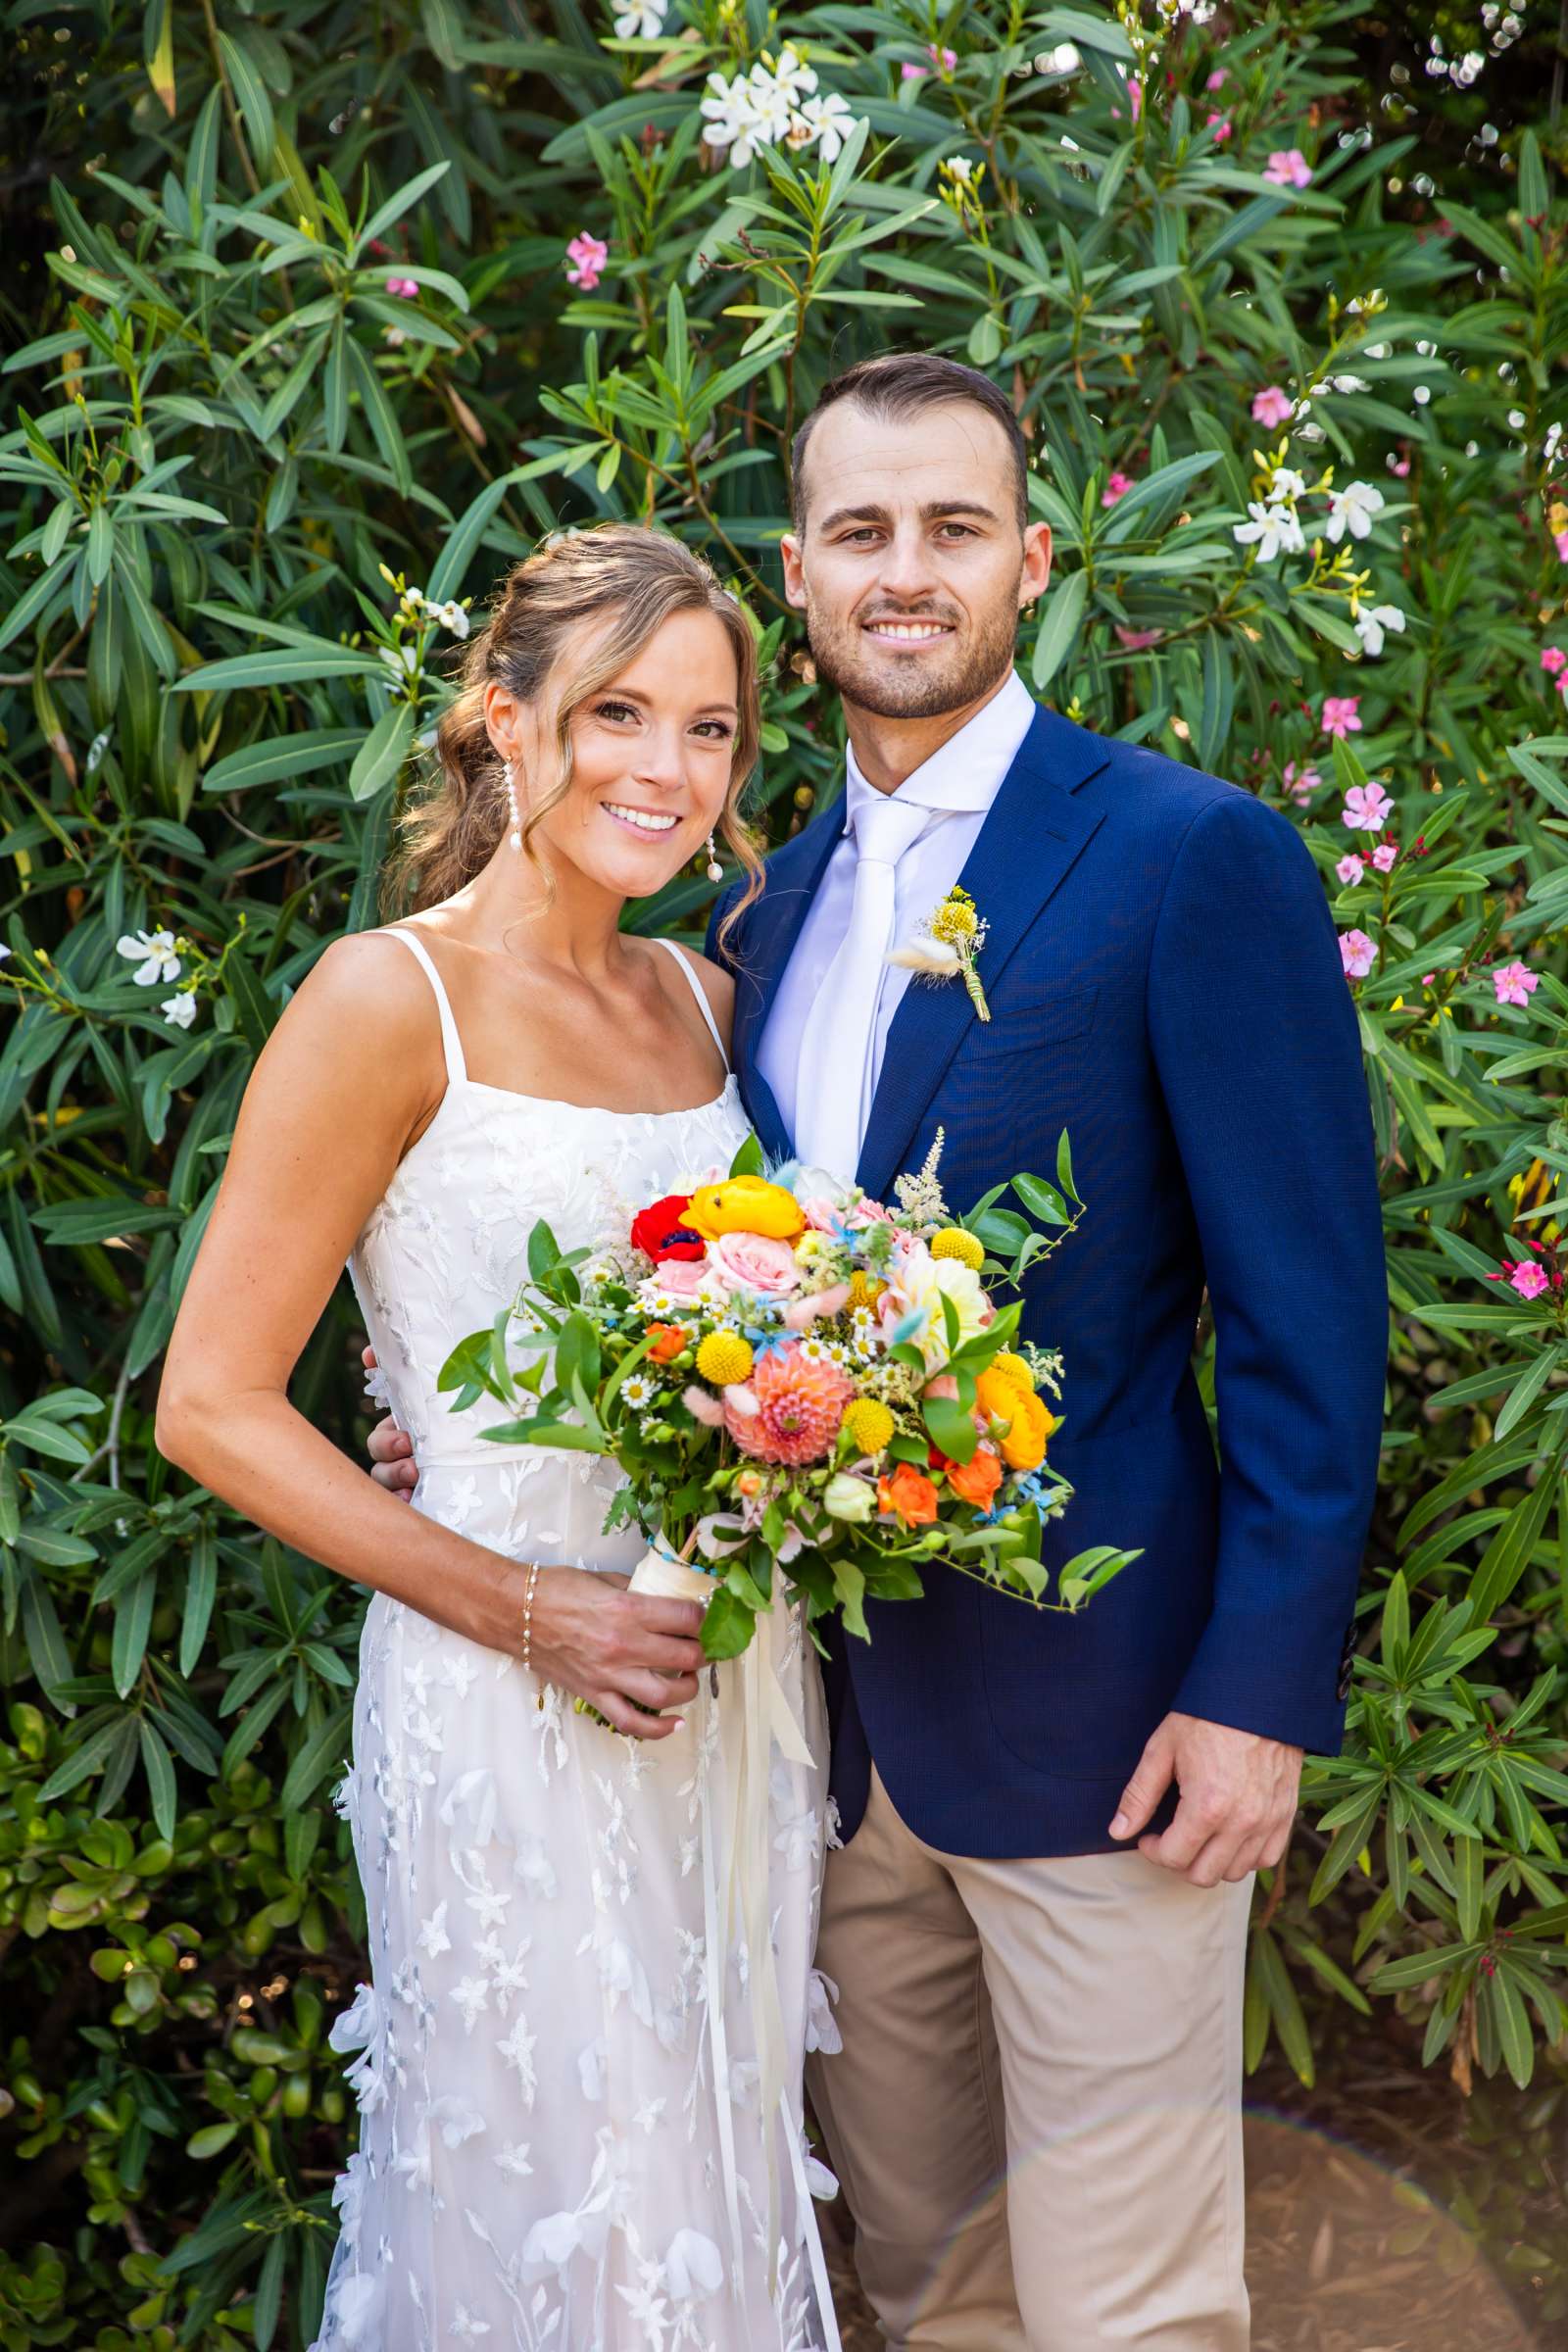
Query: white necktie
837	1053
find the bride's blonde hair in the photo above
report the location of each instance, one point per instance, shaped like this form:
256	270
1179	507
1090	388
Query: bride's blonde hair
635	578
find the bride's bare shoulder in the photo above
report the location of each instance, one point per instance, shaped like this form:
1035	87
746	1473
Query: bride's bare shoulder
367	980
717	986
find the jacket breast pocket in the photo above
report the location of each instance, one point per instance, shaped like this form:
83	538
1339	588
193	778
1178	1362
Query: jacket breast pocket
1030	1027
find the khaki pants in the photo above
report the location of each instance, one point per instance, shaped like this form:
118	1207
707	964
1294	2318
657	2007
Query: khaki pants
1036	2114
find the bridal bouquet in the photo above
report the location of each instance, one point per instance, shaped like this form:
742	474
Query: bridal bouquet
791	1374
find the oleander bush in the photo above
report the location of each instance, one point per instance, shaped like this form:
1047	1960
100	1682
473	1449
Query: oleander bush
320	316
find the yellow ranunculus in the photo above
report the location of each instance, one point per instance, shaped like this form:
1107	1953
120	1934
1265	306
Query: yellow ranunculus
1024	1446
745	1205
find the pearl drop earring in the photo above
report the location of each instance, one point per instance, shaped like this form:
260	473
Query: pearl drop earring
516	835
716	873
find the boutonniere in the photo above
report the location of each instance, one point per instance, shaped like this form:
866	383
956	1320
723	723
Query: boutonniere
948	942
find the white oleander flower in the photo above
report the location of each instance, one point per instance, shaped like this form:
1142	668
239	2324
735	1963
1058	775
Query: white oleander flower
961	169
180	1011
453	617
153	953
792	77
1274	528
1353	508
734	119
1372	623
830	120
643	20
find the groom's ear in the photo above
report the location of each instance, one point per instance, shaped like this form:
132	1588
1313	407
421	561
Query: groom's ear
1035	576
789	547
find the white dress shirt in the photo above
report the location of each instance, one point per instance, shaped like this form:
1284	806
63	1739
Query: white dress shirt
958	785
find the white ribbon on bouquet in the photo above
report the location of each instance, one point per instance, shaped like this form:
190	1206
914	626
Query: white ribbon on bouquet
735	1887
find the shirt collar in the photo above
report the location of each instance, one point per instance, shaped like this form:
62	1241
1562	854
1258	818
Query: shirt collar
966	773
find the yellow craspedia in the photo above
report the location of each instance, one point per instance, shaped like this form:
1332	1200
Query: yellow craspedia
954	1241
956	919
745	1205
724	1358
1013	1369
865	1289
867	1425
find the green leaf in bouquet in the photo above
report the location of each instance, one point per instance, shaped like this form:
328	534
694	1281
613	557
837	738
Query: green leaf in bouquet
544	1430
848	1586
748	1160
1041	1200
470	1370
577	1355
951	1422
544	1251
1002	1231
728	1626
1089	1572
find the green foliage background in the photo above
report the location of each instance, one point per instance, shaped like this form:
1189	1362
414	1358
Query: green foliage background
224	432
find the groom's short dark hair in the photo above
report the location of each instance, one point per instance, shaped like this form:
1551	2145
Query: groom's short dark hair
897	385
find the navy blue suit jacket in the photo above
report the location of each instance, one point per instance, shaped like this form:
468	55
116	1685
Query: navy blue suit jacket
1164	982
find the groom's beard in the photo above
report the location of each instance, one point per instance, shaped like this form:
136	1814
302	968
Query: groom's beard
921	686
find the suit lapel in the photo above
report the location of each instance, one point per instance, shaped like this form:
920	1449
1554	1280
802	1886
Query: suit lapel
1033	834
767	938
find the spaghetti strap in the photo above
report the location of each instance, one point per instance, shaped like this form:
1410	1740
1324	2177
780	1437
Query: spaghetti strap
700	993
452	1044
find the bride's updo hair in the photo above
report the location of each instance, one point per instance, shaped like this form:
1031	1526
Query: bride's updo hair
630	580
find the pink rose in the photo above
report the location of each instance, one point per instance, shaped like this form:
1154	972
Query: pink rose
681	1278
821	1213
754	1261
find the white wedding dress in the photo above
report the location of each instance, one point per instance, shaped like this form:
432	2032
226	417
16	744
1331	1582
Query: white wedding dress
561	2083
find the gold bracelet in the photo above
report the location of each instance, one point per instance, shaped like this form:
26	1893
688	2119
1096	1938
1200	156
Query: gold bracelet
527	1626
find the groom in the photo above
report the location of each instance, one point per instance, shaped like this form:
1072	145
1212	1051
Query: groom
1037	1920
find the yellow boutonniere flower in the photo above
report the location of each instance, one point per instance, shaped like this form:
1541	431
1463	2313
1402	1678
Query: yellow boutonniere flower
949	940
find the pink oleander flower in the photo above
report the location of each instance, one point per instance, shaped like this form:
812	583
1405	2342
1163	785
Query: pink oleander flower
1357	953
1515	983
1351	868
1400	467
1383	856
1560	542
407	287
586	257
1367	808
799	1401
1301	782
1341	714
1553	660
1271	406
1527	1279
1137	641
1220	125
1217	79
945	60
754	1261
1427	979
1116	488
1135	97
1288	168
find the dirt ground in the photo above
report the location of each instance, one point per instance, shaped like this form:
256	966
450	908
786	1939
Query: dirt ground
1344	2251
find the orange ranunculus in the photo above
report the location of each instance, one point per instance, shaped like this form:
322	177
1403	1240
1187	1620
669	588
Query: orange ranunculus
1024	1446
907	1495
745	1205
667	1339
977	1480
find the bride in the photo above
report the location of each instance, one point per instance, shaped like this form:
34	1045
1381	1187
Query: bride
568	2135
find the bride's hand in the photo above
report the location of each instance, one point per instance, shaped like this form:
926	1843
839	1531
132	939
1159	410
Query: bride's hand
630	1654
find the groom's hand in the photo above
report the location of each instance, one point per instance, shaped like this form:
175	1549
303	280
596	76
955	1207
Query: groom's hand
391	1449
1239	1794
